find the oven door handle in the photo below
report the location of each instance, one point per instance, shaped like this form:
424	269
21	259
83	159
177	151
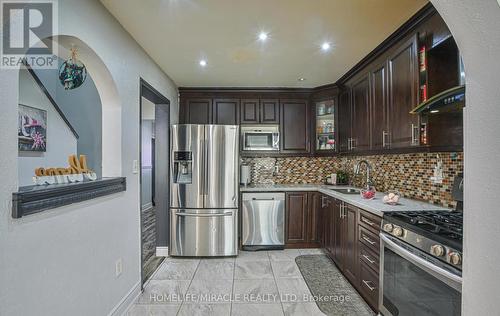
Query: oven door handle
447	277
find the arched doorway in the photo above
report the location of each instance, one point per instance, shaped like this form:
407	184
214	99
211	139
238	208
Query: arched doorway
476	28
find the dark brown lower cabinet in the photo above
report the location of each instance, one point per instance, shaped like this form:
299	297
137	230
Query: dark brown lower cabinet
302	219
350	238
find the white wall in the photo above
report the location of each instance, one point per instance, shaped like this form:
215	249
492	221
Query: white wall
60	140
476	27
62	262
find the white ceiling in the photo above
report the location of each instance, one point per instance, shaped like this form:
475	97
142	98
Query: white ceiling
178	33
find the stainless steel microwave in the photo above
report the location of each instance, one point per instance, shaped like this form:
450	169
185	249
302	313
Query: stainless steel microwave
260	138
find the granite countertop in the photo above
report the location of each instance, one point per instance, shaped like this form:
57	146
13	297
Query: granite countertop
375	206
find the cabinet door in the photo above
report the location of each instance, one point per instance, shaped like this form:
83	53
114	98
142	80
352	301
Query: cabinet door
314	228
350	224
403	95
294	126
269	111
250	111
197	111
323	219
338	231
344	119
379	109
296	217
361	115
226	111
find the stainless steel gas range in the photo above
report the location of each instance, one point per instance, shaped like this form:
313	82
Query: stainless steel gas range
421	263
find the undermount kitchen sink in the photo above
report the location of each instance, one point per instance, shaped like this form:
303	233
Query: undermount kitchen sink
346	191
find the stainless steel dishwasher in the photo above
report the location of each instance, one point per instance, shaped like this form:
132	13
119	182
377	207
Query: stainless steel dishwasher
263	221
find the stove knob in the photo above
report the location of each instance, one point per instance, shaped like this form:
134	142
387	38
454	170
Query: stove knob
437	250
398	231
388	227
455	258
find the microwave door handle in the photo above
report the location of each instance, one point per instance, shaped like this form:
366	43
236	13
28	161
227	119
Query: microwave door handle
276	140
447	277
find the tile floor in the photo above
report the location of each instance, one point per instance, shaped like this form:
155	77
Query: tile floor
254	283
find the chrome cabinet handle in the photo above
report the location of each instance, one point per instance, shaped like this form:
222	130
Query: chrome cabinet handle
384	135
368	258
363	219
348	144
369	240
371	288
414	132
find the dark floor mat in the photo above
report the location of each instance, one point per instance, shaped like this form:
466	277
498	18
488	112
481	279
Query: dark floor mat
325	280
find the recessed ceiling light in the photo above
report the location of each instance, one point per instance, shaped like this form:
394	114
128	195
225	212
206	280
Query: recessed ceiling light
302	79
435	111
325	46
203	63
263	36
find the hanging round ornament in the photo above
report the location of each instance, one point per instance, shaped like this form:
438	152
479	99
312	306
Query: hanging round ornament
72	72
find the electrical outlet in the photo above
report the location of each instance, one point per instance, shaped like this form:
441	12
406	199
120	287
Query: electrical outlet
118	267
135	166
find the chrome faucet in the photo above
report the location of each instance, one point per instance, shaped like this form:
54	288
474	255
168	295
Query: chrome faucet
357	170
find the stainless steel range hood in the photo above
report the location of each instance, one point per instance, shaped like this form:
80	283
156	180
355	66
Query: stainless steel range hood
450	100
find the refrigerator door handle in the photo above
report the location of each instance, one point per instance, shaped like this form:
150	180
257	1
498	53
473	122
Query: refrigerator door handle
205	166
205	215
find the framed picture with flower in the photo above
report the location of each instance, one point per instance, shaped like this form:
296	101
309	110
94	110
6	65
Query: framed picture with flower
32	129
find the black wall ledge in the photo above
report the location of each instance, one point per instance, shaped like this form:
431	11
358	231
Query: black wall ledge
38	198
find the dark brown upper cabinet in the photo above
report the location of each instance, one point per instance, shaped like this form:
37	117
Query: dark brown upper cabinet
295	122
403	96
226	111
345	120
360	130
260	111
197	111
379	108
269	111
250	111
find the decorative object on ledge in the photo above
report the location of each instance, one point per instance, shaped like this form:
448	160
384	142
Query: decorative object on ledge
32	129
34	199
76	172
72	72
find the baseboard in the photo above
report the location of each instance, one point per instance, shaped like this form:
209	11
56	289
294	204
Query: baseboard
162	251
127	301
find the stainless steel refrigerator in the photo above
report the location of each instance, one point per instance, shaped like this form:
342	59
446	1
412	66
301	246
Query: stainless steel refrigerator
204	190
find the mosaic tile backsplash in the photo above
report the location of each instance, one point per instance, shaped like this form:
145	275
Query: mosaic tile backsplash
410	174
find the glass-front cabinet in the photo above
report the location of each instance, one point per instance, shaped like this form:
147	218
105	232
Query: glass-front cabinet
326	132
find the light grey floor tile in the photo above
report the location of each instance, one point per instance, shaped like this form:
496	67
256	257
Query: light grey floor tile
286	269
293	290
301	309
153	310
311	251
161	292
214	270
176	270
286	254
209	291
181	259
256	310
255	291
205	310
252	256
253	270
214	259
